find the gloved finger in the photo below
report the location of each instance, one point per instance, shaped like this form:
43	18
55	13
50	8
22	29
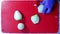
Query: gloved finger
44	9
42	3
48	11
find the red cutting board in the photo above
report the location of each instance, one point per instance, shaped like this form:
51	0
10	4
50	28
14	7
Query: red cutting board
48	22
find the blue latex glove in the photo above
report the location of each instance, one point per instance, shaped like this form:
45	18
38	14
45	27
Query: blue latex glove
48	5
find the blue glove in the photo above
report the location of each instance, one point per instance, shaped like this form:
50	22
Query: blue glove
48	5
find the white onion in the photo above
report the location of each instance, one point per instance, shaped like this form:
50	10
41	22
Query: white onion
35	19
40	8
17	15
20	26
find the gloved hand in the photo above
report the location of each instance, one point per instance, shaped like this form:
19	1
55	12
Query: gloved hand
48	5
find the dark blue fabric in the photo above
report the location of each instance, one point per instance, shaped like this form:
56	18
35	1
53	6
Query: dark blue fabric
59	0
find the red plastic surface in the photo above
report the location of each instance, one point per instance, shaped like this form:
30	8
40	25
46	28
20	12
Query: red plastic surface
22	0
48	22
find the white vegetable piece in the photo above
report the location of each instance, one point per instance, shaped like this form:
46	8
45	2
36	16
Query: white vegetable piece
35	4
35	19
40	8
20	26
17	15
